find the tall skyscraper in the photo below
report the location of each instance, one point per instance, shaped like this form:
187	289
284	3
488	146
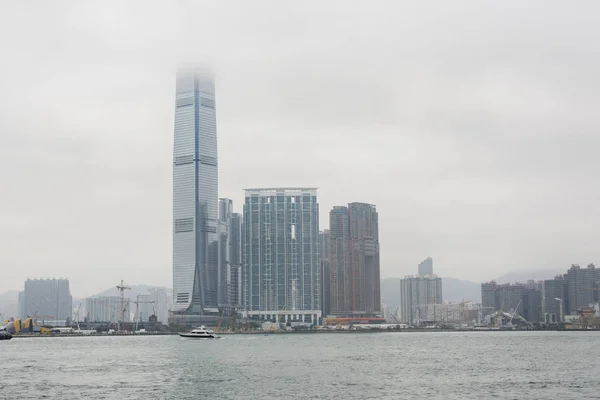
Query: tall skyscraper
340	275
426	267
230	255
195	223
324	261
224	272
235	246
354	284
281	260
364	258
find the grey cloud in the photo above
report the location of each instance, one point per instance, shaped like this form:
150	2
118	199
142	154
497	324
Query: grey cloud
471	125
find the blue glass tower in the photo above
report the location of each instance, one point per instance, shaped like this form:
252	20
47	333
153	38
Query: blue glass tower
195	201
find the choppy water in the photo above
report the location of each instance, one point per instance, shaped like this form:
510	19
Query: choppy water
504	365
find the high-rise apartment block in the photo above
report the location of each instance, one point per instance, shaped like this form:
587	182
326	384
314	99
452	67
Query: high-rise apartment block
107	309
582	287
364	258
324	240
230	270
416	294
522	299
236	260
340	274
354	276
543	301
282	275
48	299
195	185
552	291
224	271
488	296
155	302
420	293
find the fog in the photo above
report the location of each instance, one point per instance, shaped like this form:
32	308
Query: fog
472	126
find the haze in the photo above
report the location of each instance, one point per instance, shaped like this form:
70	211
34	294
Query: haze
473	126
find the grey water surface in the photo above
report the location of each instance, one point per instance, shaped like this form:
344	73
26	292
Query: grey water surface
477	365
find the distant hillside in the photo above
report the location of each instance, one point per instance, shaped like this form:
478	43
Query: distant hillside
453	290
456	290
390	291
135	290
9	303
524	276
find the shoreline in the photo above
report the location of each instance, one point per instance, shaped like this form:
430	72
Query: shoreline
262	333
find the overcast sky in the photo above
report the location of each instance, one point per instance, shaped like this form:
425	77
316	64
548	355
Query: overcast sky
473	126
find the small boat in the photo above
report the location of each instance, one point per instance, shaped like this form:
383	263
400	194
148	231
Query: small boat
199	333
4	335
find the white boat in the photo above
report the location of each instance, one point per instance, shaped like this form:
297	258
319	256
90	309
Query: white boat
199	333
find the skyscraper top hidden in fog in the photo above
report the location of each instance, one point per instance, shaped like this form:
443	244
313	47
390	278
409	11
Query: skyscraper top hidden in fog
426	267
195	194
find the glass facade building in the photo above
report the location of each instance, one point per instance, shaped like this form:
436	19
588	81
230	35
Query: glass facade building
195	201
282	273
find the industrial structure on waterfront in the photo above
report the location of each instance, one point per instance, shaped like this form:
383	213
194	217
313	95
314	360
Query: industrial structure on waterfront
548	301
524	299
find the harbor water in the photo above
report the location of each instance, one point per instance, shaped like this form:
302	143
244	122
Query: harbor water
431	365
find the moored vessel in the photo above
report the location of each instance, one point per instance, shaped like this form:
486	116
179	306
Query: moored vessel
199	333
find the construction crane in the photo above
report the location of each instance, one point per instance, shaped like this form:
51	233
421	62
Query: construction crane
36	317
394	317
137	309
514	312
122	288
77	315
480	309
461	310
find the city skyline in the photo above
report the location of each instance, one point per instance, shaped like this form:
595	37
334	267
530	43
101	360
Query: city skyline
486	133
